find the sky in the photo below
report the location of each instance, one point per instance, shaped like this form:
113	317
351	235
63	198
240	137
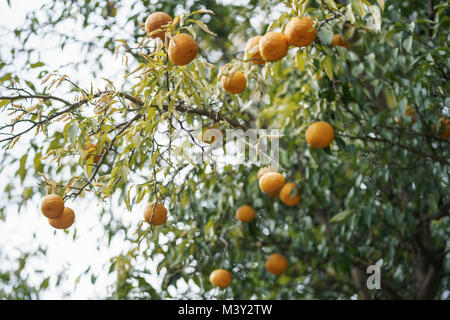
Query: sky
64	254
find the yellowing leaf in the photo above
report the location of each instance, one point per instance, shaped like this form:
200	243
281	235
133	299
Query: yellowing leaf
331	4
341	216
203	11
349	14
374	21
4	102
204	27
328	66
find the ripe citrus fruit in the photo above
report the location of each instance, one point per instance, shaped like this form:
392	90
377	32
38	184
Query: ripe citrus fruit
274	194
271	182
154	22
252	50
210	135
91	151
263	171
339	40
245	213
444	124
285	195
159	214
300	31
182	49
52	206
220	278
64	221
320	134
276	264
408	113
234	84
273	46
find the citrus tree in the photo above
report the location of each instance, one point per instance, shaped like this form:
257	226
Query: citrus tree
357	89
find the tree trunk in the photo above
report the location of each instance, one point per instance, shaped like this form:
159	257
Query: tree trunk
428	265
359	279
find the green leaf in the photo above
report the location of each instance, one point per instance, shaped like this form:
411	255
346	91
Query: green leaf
4	102
301	61
331	4
22	169
402	106
45	283
6	77
209	226
73	131
374	22
341	216
89	165
203	26
407	44
326	35
328	66
203	11
349	14
37	65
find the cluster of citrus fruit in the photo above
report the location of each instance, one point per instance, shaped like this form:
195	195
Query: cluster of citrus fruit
52	206
275	264
273	46
59	216
182	47
444	123
273	184
156	214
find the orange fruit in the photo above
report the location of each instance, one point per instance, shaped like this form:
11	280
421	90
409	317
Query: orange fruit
159	214
220	278
444	124
319	134
300	32
276	264
285	195
52	206
210	134
92	151
64	221
273	46
245	213
409	112
234	84
339	40
182	49
252	50
274	194
154	22
271	182
263	171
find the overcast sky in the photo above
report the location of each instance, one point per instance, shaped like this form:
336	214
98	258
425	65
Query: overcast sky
64	254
